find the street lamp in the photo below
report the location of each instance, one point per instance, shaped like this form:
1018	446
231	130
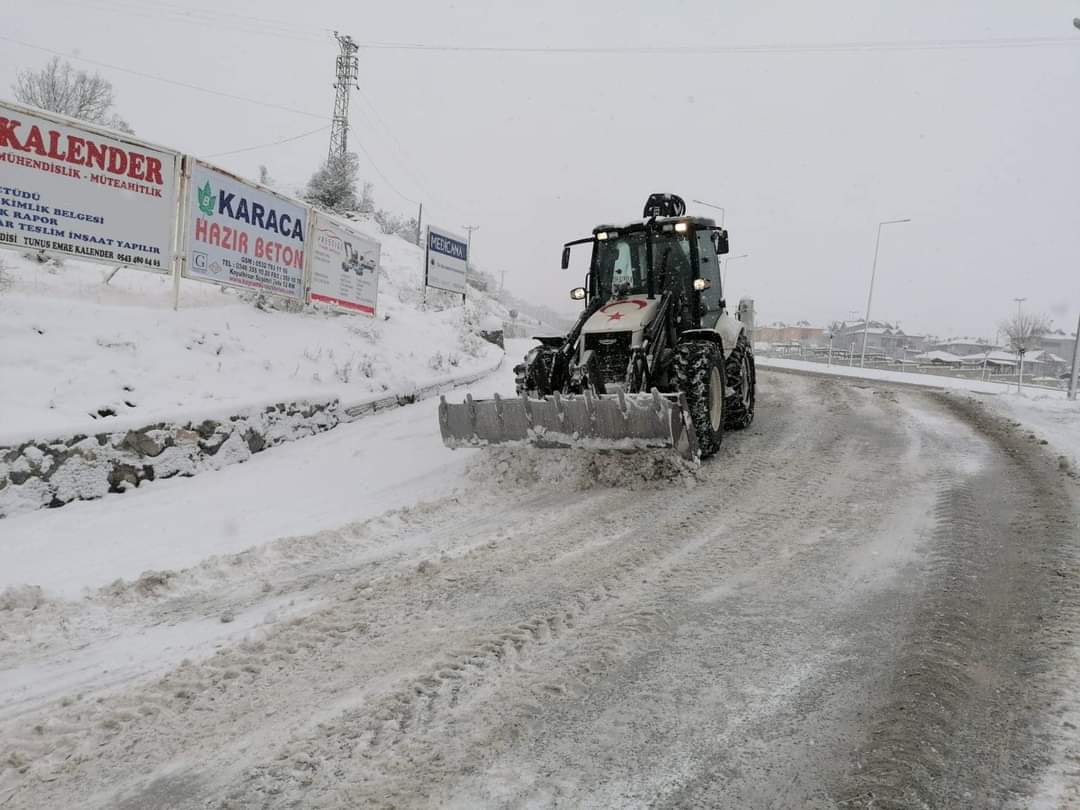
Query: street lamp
1020	345
1076	346
723	281
719	208
873	275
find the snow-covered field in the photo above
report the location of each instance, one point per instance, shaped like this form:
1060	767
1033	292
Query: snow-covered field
78	355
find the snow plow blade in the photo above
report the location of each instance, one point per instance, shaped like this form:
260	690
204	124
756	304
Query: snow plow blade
610	422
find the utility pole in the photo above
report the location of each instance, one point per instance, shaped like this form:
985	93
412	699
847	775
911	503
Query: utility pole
468	254
1020	347
468	246
870	297
347	77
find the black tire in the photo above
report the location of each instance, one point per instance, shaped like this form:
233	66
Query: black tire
699	370
741	386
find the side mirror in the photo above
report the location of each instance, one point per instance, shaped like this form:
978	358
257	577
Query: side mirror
720	241
578	293
566	258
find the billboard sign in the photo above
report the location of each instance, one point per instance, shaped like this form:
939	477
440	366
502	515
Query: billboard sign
242	235
446	260
76	190
344	266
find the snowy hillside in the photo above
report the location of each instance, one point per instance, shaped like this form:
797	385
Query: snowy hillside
81	355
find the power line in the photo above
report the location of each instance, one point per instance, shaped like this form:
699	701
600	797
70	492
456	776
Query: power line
379	172
242	23
399	152
267	145
705	50
355	141
173	82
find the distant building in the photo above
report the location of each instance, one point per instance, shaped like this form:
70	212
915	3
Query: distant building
780	333
882	339
964	346
1060	343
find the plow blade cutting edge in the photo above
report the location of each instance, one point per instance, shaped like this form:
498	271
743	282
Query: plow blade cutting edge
608	422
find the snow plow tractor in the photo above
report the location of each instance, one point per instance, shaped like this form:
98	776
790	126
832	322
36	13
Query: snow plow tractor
654	360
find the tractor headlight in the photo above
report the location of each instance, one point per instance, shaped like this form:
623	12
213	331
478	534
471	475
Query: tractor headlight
602	235
702	284
681	227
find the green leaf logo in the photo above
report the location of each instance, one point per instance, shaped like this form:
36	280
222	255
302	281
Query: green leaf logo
206	199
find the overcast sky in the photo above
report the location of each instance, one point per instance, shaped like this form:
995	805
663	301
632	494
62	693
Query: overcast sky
807	150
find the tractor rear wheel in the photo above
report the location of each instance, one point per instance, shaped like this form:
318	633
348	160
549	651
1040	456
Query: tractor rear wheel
699	370
741	385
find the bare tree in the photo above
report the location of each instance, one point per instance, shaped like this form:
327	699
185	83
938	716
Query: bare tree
60	88
1024	328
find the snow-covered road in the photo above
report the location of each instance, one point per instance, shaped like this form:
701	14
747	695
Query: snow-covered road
864	601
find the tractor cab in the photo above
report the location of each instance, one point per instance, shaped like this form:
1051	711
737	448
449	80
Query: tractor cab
675	257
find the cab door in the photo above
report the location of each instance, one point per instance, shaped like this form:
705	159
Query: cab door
709	268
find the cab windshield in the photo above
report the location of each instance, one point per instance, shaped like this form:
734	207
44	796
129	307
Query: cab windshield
620	265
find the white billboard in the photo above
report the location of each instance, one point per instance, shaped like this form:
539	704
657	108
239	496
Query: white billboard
243	235
344	266
77	190
446	260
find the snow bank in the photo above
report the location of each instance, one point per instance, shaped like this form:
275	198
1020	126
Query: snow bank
78	355
580	469
901	377
1052	419
79	468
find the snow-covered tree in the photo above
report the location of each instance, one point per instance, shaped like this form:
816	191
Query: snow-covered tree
1024	328
333	185
405	227
366	204
60	88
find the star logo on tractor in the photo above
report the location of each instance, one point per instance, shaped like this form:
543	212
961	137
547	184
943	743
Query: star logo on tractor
615	316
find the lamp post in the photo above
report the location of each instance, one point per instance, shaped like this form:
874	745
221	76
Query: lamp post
719	208
1076	345
1020	347
873	275
723	281
1075	359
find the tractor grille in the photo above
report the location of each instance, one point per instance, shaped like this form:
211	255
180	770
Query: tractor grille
612	351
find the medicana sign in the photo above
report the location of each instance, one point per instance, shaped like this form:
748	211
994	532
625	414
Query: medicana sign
344	266
73	189
243	236
446	260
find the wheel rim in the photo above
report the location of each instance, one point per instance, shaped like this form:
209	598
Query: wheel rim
744	382
716	399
